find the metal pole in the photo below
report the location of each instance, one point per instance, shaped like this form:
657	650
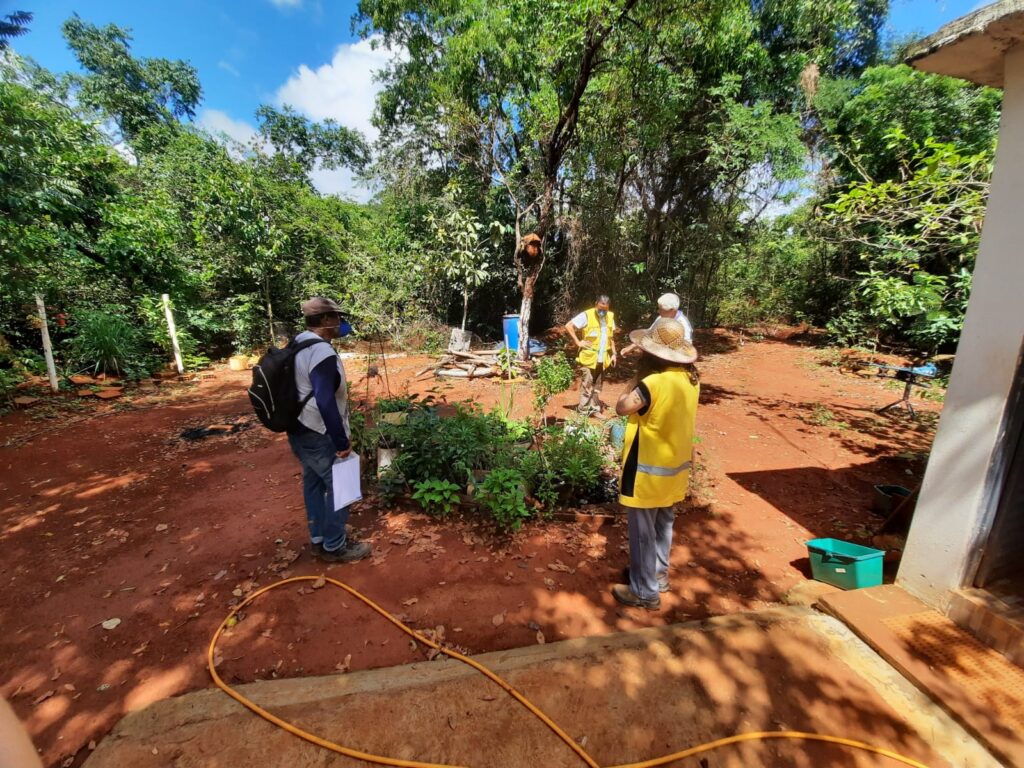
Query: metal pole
51	369
173	332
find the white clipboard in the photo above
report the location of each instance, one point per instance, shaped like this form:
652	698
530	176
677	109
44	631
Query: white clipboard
348	486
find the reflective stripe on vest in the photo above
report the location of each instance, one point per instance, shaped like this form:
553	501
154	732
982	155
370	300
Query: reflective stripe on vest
650	469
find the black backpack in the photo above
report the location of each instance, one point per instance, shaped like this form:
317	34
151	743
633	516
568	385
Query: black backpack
273	393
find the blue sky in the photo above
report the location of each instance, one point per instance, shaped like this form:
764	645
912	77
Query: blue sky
301	52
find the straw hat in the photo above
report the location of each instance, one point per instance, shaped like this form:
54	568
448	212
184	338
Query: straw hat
666	339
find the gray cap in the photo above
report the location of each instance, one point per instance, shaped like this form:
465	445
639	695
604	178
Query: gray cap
318	305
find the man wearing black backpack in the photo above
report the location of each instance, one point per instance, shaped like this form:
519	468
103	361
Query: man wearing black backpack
320	432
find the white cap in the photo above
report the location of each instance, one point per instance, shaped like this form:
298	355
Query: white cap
668	301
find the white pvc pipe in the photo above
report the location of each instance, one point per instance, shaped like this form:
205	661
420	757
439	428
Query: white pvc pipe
51	369
173	332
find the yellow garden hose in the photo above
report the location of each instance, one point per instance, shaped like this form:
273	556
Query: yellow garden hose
586	758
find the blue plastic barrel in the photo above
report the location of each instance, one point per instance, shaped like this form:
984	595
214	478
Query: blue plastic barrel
510	330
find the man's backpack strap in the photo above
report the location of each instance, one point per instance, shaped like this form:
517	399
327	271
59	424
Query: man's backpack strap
298	347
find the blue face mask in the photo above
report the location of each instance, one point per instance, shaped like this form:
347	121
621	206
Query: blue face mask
602	312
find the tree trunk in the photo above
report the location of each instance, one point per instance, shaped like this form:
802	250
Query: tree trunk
270	312
530	271
465	304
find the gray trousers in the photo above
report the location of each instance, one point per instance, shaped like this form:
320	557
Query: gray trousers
590	387
650	542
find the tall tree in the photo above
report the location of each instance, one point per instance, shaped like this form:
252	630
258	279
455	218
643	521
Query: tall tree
501	87
13	25
141	96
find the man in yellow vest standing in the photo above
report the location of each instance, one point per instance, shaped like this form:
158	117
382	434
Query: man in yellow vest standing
656	455
597	350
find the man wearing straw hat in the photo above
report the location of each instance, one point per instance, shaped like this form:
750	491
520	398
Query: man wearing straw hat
656	456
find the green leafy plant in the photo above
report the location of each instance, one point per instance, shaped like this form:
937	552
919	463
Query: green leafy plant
395	404
390	485
506	363
108	342
503	494
575	459
437	497
554	375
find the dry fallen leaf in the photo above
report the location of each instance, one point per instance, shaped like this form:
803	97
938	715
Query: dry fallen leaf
319	582
411	601
110	623
558	565
344	666
540	638
161	527
44	697
498	620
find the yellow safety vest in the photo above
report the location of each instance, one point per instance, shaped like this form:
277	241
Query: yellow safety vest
658	447
592	333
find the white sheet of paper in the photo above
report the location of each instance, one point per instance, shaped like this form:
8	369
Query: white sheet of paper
347	482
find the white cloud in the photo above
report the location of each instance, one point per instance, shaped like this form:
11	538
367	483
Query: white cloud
286	3
341	182
218	123
228	68
344	90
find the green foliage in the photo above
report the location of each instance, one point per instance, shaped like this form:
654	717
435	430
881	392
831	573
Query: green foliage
390	485
298	140
105	341
437	497
918	237
874	122
447	449
140	95
394	404
503	495
553	375
460	250
567	466
13	25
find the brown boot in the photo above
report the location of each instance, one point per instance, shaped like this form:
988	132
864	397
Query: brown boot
625	595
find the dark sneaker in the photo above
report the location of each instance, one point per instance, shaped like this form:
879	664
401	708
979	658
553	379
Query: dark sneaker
625	595
662	580
352	551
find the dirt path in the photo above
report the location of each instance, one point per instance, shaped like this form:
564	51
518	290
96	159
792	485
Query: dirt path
111	515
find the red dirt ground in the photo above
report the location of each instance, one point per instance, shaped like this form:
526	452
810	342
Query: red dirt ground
105	512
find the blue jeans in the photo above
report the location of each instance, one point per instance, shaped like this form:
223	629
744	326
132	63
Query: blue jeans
650	542
316	453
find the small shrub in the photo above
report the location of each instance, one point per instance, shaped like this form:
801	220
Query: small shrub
575	459
108	342
390	485
449	449
569	463
503	494
394	404
437	497
554	375
9	380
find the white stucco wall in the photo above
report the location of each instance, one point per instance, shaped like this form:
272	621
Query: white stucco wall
953	511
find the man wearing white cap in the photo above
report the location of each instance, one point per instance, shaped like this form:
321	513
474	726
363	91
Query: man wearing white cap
668	307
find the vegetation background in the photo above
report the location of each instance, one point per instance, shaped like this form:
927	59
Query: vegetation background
768	160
